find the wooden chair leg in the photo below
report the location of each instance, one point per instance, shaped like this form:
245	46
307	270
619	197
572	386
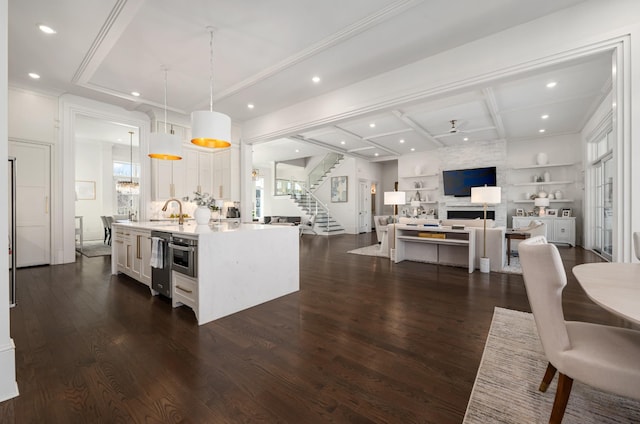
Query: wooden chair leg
562	397
548	376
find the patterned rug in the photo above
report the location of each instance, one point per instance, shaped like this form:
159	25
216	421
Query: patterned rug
514	266
512	366
373	250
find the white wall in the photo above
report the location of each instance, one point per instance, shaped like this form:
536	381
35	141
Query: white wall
8	384
388	178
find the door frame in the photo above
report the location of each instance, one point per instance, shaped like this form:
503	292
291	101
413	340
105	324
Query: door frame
366	201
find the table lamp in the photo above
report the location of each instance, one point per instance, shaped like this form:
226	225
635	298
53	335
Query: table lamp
541	203
395	198
486	196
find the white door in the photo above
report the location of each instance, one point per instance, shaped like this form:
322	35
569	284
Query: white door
364	207
33	203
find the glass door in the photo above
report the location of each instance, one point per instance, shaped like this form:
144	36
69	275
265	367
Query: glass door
601	193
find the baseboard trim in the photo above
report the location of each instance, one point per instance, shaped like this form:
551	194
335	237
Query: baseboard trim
8	383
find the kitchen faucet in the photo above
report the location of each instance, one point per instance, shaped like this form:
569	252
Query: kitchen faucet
180	217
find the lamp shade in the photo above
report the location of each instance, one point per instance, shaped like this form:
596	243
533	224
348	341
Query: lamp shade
210	129
165	146
485	195
541	201
395	198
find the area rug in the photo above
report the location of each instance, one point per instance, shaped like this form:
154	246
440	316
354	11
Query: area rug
512	366
514	267
373	250
92	249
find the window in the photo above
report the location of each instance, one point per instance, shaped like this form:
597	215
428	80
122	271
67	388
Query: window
127	195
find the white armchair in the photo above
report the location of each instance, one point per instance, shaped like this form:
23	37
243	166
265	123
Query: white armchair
601	356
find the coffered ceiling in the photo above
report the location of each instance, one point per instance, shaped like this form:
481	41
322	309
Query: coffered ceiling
265	53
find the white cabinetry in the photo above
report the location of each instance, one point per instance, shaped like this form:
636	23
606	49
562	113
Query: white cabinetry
163	174
199	171
185	291
558	229
132	250
426	186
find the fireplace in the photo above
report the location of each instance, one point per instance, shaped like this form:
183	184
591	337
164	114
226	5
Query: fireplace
469	214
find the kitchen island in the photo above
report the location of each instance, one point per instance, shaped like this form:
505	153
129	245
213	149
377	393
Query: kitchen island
238	265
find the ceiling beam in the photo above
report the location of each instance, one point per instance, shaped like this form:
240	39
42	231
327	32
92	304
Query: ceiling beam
327	146
417	128
365	140
492	105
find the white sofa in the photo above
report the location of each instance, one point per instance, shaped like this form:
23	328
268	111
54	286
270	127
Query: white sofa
496	244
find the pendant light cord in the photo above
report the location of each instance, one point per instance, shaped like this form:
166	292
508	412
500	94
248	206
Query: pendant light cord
165	100
211	70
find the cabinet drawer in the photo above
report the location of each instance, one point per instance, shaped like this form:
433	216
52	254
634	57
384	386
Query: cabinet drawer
185	290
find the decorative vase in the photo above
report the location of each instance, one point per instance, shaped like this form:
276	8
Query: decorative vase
558	194
547	177
551	196
202	214
542	193
542	158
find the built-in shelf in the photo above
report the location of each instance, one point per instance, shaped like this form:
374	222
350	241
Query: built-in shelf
550	201
420	189
420	176
429	202
543	183
549	165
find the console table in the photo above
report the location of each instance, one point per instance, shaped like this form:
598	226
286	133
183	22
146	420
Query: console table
424	243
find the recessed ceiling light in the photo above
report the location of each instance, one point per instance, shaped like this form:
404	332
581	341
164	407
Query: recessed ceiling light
465	139
47	29
135	93
34	75
250	105
343	142
119	139
372	125
297	151
551	84
315	79
401	140
545	116
541	130
377	154
413	149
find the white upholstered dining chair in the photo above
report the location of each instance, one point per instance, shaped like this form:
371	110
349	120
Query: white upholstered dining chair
598	355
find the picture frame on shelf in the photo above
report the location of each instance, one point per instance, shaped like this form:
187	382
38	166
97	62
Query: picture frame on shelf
519	212
566	212
552	212
339	189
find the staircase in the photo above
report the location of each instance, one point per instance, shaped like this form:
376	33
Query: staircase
325	224
310	204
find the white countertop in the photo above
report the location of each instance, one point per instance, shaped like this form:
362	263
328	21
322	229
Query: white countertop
191	228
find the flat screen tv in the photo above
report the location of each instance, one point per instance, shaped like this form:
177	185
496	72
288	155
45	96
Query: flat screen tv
458	182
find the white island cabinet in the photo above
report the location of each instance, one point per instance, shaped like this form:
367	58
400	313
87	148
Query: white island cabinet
239	266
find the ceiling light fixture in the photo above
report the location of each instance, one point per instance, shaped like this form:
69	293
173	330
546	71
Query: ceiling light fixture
34	75
551	84
545	116
250	105
315	79
129	186
208	128
297	151
465	139
135	94
372	125
401	140
166	145
541	130
376	154
47	29
413	149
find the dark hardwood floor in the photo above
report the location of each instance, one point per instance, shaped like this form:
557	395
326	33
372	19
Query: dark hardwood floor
363	341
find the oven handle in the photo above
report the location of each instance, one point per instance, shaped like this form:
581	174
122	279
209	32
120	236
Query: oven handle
182	248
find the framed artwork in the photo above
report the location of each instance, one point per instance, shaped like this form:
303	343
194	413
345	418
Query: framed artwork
566	213
85	190
552	212
519	212
339	189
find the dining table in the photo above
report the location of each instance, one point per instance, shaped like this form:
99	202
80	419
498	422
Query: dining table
612	285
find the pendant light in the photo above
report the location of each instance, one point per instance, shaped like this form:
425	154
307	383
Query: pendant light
129	186
165	146
208	128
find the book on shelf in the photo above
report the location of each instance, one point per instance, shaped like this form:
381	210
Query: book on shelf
433	235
